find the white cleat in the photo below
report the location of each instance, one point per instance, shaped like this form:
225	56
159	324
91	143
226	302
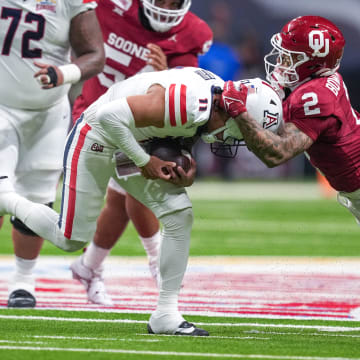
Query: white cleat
355	313
22	292
173	324
92	281
97	293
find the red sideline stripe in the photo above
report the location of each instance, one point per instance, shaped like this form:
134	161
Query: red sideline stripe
172	105
73	177
183	104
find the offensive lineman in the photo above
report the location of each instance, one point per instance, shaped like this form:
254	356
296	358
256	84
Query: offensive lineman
139	36
35	38
179	102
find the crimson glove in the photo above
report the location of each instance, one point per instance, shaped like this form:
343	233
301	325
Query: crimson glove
233	98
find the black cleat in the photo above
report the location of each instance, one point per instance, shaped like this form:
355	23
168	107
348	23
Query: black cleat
21	299
186	329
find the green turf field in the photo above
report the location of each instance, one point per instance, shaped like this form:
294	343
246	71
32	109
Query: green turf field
44	335
283	219
289	219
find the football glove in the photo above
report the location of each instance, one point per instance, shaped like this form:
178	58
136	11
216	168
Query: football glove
233	98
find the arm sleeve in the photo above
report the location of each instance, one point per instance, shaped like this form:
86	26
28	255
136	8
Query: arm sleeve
117	121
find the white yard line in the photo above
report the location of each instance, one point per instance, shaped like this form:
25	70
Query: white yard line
88	338
174	353
129	321
299	333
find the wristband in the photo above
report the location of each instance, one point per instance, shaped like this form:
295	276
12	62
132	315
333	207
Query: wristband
71	73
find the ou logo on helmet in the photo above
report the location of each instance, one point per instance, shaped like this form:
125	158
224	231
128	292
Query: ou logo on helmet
318	42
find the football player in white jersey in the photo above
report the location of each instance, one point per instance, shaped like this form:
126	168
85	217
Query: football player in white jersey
36	73
179	103
167	34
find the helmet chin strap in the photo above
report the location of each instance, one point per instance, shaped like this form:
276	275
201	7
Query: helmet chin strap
210	138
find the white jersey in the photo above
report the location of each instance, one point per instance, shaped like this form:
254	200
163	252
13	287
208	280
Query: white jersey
188	100
34	30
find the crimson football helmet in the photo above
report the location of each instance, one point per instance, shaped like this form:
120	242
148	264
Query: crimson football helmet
307	46
161	19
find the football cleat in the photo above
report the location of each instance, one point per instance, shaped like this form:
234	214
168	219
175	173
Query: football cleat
97	293
344	201
92	281
21	299
186	329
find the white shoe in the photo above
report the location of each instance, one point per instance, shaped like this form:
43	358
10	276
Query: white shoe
97	293
355	313
354	209
92	281
173	324
22	292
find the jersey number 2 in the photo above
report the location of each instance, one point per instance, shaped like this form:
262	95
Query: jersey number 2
309	105
15	15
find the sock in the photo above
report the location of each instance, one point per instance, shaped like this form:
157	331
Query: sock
24	266
167	302
151	244
166	318
23	278
94	256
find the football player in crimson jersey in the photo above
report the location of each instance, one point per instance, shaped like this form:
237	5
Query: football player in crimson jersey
178	103
139	36
318	116
36	73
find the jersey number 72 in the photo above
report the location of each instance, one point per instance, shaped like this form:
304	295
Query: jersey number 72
27	36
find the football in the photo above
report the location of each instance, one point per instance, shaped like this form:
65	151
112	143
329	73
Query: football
171	150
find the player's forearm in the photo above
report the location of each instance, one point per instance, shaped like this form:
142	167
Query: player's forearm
89	64
270	148
87	44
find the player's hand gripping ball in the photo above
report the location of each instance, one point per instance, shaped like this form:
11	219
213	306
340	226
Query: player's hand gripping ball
171	150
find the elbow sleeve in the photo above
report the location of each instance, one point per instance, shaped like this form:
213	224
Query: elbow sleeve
117	121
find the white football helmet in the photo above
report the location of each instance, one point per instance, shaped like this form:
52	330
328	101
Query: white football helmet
163	20
262	103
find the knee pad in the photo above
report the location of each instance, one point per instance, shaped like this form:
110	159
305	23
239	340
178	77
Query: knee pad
21	227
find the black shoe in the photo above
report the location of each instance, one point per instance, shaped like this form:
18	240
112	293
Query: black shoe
21	299
185	328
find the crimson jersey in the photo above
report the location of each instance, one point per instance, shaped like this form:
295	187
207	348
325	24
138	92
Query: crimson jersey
321	109
125	40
